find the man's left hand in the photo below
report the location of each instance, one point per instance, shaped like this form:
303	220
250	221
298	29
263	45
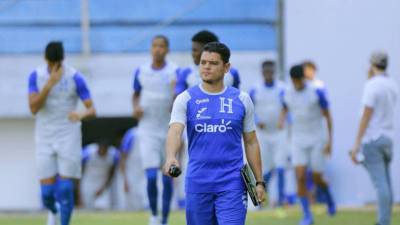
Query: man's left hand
74	116
260	193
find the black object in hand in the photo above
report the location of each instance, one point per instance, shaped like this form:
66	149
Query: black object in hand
174	171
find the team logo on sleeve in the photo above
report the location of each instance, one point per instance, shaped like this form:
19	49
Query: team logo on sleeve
213	128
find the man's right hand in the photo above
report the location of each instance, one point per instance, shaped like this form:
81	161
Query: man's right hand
138	112
56	74
168	163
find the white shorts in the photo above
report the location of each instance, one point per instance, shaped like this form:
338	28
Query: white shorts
60	157
310	154
152	150
274	150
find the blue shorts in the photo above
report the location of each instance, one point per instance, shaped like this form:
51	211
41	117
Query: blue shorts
223	208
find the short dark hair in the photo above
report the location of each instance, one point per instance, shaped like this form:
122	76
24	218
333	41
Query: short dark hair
297	72
219	48
54	51
163	37
268	63
309	63
205	37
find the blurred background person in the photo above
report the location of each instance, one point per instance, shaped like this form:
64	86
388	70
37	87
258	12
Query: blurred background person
99	163
376	133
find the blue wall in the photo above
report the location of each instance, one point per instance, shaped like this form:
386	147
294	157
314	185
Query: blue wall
128	26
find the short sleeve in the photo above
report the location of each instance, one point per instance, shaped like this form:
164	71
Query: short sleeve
369	96
181	84
282	98
116	157
137	87
322	99
236	77
85	154
127	141
32	83
179	109
81	87
249	119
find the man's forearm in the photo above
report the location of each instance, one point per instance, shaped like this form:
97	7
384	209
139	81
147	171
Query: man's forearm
37	101
363	124
254	159
173	143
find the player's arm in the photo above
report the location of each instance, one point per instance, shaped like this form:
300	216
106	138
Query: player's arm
252	147
324	104
83	92
174	135
284	111
124	157
38	98
137	88
110	176
126	146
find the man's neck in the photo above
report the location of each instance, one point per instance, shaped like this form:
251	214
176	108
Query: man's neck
158	64
213	87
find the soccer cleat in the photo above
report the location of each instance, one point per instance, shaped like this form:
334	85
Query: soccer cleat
306	221
331	209
53	218
154	220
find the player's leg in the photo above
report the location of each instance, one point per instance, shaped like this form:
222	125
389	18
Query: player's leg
266	157
47	171
377	159
69	168
231	207
200	209
300	160
317	166
151	160
167	185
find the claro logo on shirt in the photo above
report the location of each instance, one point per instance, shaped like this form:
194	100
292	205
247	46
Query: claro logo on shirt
213	128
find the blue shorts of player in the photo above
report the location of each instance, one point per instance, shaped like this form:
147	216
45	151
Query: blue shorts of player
223	208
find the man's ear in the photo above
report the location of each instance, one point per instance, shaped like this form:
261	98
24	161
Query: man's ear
227	66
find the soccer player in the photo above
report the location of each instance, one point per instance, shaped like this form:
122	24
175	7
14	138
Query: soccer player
267	98
154	85
54	91
217	117
131	167
190	76
376	132
307	106
99	164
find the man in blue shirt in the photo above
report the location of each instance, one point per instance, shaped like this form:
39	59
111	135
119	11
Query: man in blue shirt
216	118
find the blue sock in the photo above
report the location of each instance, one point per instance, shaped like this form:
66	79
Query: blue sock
167	196
152	192
328	196
65	189
48	196
305	204
267	177
281	185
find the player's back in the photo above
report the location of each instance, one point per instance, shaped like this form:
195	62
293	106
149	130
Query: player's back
157	93
268	104
52	119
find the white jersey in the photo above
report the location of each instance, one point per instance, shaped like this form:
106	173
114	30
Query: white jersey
380	94
52	121
156	96
190	77
268	103
305	109
97	168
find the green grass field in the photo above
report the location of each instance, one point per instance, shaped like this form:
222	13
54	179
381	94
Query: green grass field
270	217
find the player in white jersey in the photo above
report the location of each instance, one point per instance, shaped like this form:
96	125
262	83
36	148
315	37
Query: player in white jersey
154	85
190	76
134	181
99	164
308	106
267	98
54	91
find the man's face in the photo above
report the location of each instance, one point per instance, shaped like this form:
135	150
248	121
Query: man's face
309	72
196	52
212	68
268	73
298	83
103	149
159	49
